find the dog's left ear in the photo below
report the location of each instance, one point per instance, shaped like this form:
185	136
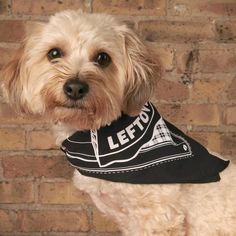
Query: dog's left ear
142	71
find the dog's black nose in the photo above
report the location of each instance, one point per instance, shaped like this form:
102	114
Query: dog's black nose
75	89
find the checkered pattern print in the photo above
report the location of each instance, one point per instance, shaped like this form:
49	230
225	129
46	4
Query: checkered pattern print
161	133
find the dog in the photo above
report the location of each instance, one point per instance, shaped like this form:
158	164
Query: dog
84	71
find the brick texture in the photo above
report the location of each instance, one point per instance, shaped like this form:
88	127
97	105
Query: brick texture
230	115
61	193
226	31
12	139
9	117
15	34
212	61
6	54
207	60
54	220
195	43
165	55
137	7
208	90
231	91
171	91
211	140
6	223
41	140
37	166
202	8
187	60
16	192
228	144
4	7
45	7
195	114
176	31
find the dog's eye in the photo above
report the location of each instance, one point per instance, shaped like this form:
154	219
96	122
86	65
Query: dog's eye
54	53
103	59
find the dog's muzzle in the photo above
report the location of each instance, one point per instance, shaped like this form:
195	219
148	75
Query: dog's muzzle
75	89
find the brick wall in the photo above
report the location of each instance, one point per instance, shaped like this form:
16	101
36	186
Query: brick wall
196	43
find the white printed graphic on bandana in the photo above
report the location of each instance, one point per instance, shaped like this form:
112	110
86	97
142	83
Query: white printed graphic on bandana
126	135
124	149
126	139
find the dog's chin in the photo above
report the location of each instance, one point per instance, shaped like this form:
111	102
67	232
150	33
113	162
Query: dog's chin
81	117
72	107
76	116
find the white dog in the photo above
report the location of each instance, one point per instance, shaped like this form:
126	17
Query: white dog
87	72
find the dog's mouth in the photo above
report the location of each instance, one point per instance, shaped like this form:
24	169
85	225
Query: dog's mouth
71	107
68	105
76	115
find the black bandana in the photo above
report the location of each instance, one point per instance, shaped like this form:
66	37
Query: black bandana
145	149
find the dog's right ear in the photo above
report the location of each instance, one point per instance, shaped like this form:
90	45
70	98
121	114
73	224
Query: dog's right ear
10	81
14	74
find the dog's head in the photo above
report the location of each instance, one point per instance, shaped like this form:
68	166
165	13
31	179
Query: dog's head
81	69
